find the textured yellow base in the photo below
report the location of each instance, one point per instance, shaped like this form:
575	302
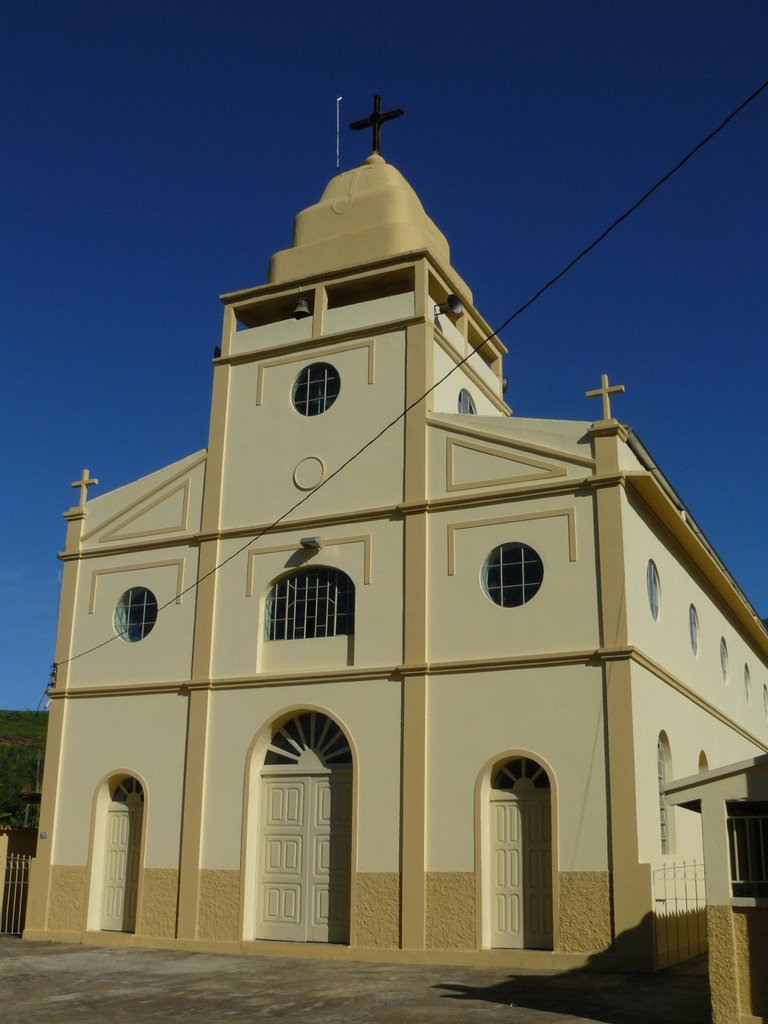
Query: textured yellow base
585	912
377	910
66	898
160	894
219	916
450	922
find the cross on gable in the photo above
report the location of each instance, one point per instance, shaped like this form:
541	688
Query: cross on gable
84	483
374	121
604	392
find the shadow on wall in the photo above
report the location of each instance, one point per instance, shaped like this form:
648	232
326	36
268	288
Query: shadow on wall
679	994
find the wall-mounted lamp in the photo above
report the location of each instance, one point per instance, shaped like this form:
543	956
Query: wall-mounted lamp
302	310
311	543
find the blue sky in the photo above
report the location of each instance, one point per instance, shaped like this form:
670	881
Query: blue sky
155	154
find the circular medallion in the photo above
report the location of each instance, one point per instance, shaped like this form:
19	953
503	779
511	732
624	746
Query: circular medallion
309	473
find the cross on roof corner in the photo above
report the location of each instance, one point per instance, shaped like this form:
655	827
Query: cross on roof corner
84	483
374	121
605	391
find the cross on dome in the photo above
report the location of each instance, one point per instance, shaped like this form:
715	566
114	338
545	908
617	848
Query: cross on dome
604	392
374	121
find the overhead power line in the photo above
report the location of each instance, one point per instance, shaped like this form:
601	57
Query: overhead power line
513	316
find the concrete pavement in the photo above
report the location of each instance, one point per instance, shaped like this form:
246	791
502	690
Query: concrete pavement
50	983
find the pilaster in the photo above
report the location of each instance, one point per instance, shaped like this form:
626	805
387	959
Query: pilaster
631	882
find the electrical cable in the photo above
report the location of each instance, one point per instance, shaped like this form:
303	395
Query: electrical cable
513	316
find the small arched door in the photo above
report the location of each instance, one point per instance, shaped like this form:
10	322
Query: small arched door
521	856
123	848
305	833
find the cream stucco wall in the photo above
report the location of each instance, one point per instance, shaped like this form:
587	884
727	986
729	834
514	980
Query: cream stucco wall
562	616
370	553
369	712
444	399
165	653
266	443
142	735
689	729
667	640
553	713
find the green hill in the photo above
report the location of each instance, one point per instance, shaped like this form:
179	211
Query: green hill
22	751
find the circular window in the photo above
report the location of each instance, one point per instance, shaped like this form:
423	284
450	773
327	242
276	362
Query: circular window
654	589
136	614
466	403
724	658
765	701
693	629
747	684
512	574
316	389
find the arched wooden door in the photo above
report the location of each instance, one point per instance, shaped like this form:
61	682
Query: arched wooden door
520	901
306	833
123	848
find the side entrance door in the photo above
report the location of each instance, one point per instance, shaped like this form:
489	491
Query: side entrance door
521	870
121	865
303	891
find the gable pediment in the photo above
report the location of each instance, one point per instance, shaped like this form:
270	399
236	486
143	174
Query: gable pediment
168	504
479	457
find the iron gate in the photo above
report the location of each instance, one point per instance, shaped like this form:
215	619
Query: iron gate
680	917
14	874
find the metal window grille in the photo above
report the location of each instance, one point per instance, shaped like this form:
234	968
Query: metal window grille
661	770
14	874
312	603
311	730
512	574
316	389
748	842
136	614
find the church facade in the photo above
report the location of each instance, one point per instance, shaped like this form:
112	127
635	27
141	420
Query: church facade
412	700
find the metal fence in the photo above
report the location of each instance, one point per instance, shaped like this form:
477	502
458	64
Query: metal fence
14	875
680	914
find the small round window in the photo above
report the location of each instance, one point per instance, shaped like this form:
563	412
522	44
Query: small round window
512	574
466	403
136	614
724	658
316	389
654	589
747	685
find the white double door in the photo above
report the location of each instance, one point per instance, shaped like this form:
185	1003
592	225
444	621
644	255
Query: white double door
303	890
521	871
121	867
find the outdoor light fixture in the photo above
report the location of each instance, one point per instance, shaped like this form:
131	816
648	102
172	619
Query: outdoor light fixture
302	310
311	543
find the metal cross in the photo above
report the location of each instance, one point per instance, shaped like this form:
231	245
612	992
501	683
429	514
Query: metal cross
604	391
84	483
375	120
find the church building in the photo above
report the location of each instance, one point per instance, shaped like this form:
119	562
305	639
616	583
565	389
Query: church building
385	672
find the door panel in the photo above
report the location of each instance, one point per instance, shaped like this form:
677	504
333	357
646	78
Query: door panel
521	871
121	868
304	890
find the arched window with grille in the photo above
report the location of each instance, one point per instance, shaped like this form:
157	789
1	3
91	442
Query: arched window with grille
317	602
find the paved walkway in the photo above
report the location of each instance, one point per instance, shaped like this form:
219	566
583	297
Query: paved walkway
48	983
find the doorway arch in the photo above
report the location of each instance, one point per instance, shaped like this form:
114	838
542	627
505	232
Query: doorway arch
305	832
518	858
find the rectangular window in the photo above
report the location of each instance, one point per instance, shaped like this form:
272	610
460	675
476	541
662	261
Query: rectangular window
748	843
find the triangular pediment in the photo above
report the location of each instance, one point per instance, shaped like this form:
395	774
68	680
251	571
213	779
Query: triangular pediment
475	464
168	507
